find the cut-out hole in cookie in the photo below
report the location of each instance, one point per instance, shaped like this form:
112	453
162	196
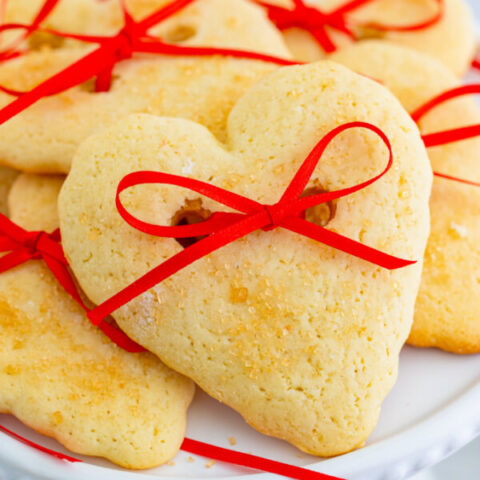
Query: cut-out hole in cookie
321	214
43	40
180	33
89	85
368	33
192	212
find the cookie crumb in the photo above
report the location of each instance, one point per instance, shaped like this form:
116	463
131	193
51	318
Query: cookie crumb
191	459
171	464
210	464
232	440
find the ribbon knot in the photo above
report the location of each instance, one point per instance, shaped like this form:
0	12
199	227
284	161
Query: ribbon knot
314	20
22	246
99	63
32	241
124	44
275	216
223	228
311	19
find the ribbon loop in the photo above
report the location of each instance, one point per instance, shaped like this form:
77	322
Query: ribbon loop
229	227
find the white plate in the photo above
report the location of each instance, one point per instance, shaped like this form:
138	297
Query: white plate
433	410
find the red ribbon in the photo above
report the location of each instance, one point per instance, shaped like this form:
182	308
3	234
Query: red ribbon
315	21
210	451
453	135
476	63
12	50
36	446
132	38
24	246
224	228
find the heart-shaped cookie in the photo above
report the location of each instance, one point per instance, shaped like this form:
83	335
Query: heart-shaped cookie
63	377
300	338
204	89
447	313
452	39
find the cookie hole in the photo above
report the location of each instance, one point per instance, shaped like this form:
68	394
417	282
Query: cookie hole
41	40
192	212
321	214
180	33
369	33
89	85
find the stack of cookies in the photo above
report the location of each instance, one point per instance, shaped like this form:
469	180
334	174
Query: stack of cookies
288	300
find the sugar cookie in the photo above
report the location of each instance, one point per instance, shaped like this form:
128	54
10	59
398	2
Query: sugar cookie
301	339
44	137
63	377
447	311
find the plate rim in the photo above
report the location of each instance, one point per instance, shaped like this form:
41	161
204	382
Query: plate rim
418	446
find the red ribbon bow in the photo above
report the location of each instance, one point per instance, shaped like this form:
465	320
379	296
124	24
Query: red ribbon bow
224	228
24	246
453	135
316	21
132	38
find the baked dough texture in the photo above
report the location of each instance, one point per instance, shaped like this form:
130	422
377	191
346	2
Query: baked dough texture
62	377
44	138
447	313
301	339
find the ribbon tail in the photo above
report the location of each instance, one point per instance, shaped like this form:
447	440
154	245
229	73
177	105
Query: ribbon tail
59	455
104	80
120	338
345	244
176	263
61	273
14	259
252	461
75	74
7	244
322	37
456	179
159	47
451	136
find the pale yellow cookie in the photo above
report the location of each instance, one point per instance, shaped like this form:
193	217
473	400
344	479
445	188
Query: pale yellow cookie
448	307
204	89
452	40
62	377
301	339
